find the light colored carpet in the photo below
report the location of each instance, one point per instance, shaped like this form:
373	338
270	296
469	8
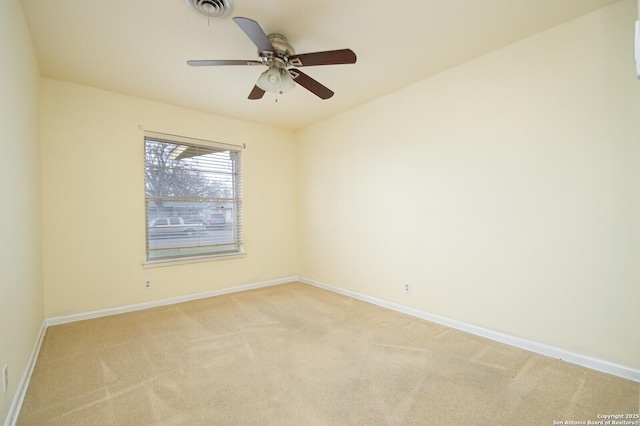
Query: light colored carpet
297	355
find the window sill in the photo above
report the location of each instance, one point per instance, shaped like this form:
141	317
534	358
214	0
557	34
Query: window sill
186	260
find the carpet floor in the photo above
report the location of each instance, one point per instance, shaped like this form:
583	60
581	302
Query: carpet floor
297	355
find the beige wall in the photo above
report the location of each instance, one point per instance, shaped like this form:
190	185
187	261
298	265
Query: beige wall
21	311
93	200
504	190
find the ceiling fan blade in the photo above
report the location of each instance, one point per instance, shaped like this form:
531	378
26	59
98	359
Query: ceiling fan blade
330	57
216	62
253	30
310	84
256	93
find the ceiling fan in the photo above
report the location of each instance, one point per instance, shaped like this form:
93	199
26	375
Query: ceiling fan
276	53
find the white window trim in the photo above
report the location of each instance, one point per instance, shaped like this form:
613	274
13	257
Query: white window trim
187	260
191	141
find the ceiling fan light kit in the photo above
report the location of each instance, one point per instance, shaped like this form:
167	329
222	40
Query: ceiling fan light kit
276	53
210	8
276	80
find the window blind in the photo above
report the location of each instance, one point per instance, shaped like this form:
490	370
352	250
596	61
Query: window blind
193	197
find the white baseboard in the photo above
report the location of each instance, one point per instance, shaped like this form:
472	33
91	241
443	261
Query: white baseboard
531	346
164	302
21	391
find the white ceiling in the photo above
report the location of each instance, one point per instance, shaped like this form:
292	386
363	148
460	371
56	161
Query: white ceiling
139	47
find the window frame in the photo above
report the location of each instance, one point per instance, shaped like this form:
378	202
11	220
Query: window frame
236	200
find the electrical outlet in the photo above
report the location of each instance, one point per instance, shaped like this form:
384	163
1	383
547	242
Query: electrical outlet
407	288
147	284
5	377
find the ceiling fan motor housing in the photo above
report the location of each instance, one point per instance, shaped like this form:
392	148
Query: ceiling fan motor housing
281	45
210	8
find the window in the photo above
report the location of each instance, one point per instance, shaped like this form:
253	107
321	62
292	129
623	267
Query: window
193	198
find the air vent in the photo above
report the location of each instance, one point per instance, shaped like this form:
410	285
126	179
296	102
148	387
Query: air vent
210	8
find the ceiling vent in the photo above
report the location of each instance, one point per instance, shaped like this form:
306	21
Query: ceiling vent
210	8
